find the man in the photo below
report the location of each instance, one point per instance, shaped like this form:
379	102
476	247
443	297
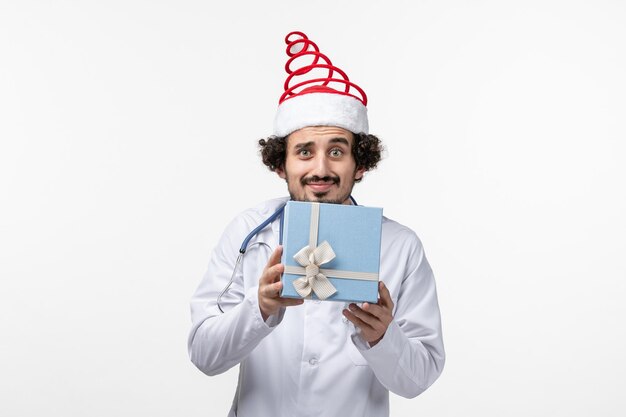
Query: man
307	357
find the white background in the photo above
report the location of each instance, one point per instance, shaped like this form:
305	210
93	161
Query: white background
128	140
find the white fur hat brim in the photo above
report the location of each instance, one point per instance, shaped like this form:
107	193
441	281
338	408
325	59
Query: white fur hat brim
321	109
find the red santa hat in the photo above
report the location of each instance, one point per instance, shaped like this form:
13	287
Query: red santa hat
317	93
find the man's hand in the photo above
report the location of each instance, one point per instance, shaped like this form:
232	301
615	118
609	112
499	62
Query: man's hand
269	287
372	319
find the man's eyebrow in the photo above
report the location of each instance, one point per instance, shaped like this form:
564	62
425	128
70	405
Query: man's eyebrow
303	145
339	140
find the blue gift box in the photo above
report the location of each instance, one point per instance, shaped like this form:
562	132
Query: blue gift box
353	234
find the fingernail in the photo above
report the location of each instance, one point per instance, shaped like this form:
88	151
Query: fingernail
352	307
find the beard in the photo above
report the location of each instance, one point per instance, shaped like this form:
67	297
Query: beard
320	197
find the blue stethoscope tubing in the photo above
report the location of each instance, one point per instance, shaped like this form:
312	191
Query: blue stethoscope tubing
246	242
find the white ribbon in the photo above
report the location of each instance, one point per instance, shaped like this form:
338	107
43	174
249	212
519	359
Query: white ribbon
314	280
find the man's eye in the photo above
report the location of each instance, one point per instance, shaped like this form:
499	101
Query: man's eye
336	153
304	152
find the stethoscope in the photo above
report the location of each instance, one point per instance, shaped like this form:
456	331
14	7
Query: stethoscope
245	245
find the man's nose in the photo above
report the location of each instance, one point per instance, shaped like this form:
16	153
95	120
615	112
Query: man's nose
321	167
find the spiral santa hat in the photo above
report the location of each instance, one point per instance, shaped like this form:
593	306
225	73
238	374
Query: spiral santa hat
317	93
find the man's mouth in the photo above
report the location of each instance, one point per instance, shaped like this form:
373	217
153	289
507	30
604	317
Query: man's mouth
320	185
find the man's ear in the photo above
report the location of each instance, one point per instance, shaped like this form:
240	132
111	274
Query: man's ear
359	173
281	172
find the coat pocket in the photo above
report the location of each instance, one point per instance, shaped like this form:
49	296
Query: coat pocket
354	353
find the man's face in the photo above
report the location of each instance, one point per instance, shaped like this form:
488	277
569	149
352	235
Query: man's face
319	165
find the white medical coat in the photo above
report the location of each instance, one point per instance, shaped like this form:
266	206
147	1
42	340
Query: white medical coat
309	360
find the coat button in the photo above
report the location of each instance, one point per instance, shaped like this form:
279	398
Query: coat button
313	361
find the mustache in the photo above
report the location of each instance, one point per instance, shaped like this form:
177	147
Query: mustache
315	178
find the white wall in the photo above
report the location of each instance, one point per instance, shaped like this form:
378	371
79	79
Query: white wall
128	134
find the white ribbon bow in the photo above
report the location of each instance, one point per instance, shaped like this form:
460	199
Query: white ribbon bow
314	280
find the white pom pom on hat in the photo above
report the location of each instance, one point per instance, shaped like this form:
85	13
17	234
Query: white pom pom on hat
312	101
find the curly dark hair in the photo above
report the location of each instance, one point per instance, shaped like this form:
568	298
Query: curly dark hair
366	149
